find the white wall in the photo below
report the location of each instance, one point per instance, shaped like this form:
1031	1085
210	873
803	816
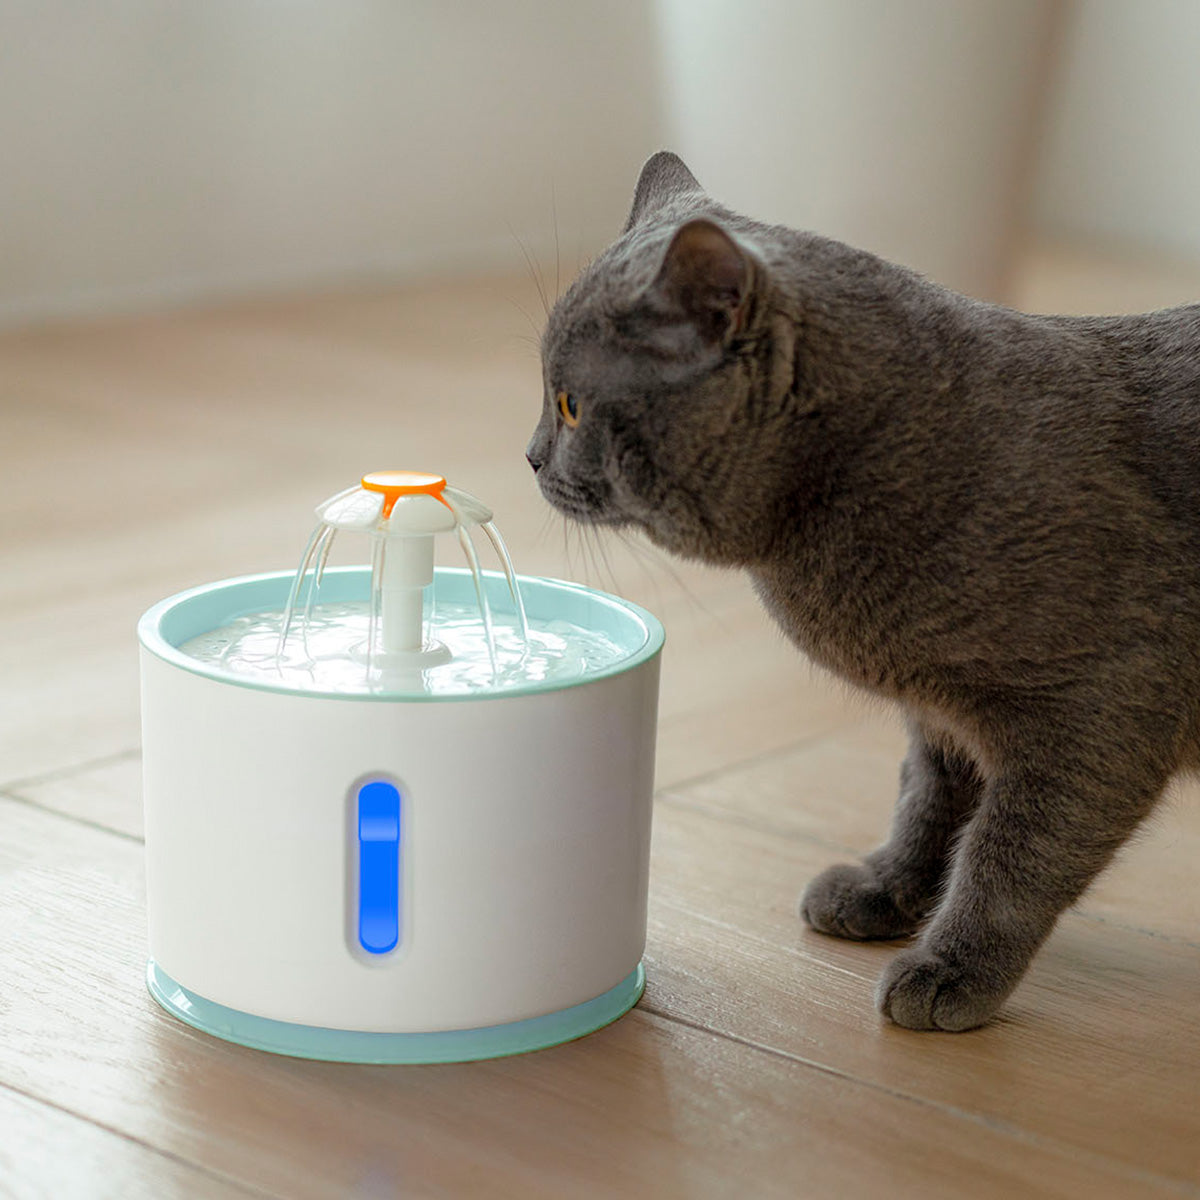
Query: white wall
154	150
1122	152
161	149
905	128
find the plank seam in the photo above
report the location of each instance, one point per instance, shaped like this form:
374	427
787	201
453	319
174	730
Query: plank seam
69	772
753	760
715	813
159	1152
995	1124
26	802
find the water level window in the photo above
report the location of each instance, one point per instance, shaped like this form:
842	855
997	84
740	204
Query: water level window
378	867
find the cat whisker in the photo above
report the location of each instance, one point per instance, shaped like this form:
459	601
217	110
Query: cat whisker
537	333
585	549
581	542
571	546
651	557
534	272
589	540
557	256
640	556
612	575
566	546
539	538
639	559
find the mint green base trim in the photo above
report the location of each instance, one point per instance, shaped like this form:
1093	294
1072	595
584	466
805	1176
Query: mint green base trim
344	1045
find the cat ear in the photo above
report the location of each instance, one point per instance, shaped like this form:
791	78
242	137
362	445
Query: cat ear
705	280
663	177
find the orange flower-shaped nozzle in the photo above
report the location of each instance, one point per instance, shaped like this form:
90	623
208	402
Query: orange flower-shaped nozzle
394	484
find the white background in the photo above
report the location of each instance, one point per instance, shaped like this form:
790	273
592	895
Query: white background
155	151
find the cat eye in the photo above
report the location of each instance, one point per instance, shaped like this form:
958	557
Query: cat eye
568	408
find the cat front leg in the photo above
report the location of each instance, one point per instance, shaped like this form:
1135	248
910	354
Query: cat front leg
1032	847
891	891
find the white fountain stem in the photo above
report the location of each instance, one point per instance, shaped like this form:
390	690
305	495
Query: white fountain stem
407	571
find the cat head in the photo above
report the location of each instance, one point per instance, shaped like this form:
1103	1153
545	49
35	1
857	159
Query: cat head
652	363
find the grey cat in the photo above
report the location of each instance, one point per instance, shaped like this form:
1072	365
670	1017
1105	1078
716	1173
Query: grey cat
990	518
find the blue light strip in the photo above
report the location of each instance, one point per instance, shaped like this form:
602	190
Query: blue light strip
378	867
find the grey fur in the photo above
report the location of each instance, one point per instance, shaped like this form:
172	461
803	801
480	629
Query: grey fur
990	518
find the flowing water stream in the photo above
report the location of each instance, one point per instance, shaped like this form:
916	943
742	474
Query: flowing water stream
452	647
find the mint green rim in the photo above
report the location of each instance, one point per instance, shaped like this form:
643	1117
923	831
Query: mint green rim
164	627
345	1045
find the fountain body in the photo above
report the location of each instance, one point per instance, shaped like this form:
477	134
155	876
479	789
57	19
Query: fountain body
398	874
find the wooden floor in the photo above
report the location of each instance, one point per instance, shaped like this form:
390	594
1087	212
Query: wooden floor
140	456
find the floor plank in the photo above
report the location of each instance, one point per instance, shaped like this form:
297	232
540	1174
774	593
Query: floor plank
839	789
141	456
1098	1048
48	1154
649	1107
107	794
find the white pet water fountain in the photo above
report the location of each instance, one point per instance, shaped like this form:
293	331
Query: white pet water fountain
398	813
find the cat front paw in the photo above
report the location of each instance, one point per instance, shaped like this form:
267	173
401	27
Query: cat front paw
924	990
848	901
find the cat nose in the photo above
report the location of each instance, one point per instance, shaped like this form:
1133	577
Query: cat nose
537	450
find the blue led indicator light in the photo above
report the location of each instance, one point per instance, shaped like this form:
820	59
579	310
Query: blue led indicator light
378	867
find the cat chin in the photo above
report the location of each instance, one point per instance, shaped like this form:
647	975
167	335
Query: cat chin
598	520
582	514
587	516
